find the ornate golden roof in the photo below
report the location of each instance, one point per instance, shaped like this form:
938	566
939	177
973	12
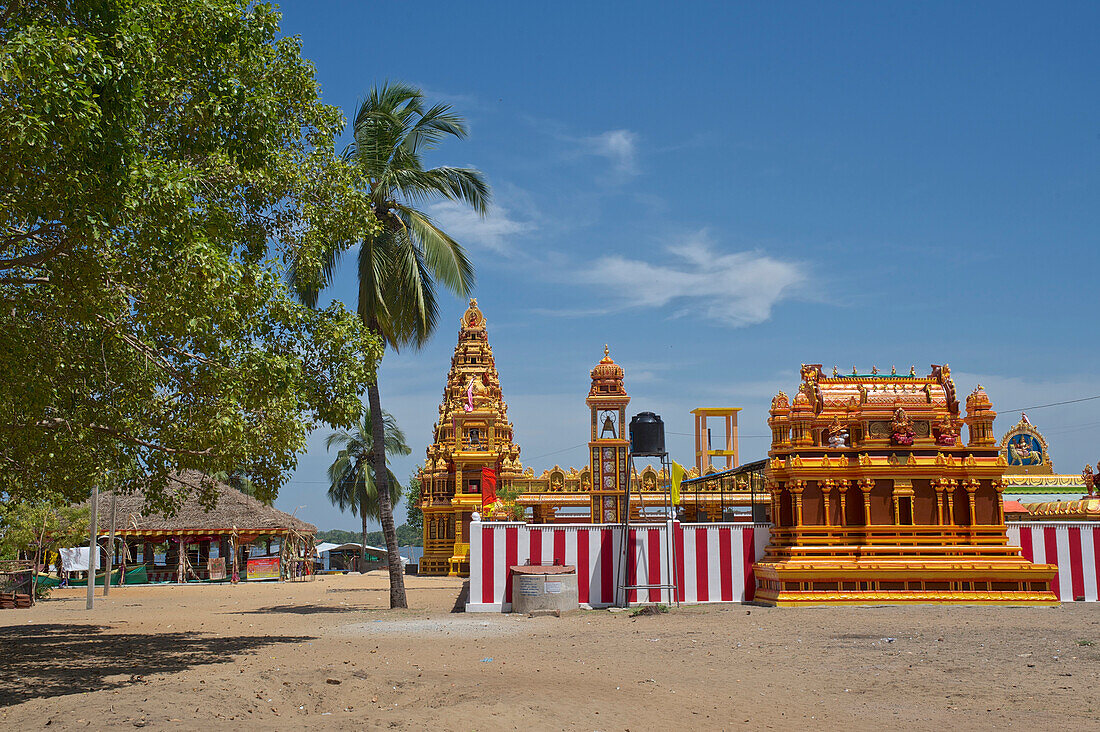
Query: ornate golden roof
850	396
607	378
1085	509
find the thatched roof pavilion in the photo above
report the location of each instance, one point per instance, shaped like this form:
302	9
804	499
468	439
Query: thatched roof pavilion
194	542
234	512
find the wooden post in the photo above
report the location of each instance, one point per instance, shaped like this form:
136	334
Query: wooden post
122	562
92	546
180	576
110	549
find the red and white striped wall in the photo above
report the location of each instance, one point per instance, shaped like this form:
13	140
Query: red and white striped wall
1075	548
713	561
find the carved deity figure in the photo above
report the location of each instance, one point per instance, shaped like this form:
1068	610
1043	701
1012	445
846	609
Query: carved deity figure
476	393
1020	452
901	429
1091	479
838	434
947	433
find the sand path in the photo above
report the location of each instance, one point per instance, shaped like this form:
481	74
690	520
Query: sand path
327	654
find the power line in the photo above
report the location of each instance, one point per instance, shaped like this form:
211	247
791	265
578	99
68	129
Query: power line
555	452
1053	404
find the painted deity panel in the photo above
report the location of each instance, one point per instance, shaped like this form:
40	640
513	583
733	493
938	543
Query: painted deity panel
1024	449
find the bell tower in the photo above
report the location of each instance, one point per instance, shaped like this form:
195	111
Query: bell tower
608	444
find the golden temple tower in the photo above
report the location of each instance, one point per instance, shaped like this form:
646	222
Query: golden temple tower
473	433
607	444
876	500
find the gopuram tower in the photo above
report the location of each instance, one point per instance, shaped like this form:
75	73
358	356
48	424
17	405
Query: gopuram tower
473	432
875	498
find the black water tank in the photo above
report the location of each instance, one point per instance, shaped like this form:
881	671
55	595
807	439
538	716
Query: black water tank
647	434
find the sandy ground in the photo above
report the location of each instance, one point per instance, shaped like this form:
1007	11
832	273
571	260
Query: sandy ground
327	654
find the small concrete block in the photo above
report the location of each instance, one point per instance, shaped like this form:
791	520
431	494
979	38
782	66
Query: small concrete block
544	614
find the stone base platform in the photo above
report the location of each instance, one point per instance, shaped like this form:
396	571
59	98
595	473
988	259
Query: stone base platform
882	581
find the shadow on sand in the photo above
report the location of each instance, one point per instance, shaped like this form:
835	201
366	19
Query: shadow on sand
462	599
304	610
58	659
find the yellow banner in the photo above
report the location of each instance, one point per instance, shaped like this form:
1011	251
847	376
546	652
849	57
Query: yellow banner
677	476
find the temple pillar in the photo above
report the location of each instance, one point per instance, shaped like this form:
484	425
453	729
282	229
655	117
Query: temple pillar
937	486
999	510
826	490
796	487
950	491
971	488
842	486
866	485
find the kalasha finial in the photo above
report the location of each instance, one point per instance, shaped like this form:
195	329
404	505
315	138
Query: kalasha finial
606	351
1024	419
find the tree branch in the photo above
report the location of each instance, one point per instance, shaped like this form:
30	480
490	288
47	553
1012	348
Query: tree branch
31	260
59	422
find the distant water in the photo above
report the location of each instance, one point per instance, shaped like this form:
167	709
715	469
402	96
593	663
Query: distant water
412	553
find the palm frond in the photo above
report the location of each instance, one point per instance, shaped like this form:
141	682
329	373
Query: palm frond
374	263
412	292
445	257
433	126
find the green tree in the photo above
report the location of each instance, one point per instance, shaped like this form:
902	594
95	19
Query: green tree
352	483
414	518
337	536
40	527
162	161
399	265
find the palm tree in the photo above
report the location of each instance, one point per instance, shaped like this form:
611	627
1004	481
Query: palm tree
398	268
352	486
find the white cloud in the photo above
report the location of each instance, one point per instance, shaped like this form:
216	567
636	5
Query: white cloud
494	231
736	289
618	146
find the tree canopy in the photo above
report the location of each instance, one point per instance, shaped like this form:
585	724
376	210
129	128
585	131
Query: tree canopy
39	527
161	160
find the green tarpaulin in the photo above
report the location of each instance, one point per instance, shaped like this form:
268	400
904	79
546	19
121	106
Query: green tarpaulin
134	576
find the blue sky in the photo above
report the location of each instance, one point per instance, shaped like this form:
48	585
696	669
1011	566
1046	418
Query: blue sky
722	193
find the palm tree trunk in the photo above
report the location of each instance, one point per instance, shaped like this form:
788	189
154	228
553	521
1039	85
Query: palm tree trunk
363	549
385	508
